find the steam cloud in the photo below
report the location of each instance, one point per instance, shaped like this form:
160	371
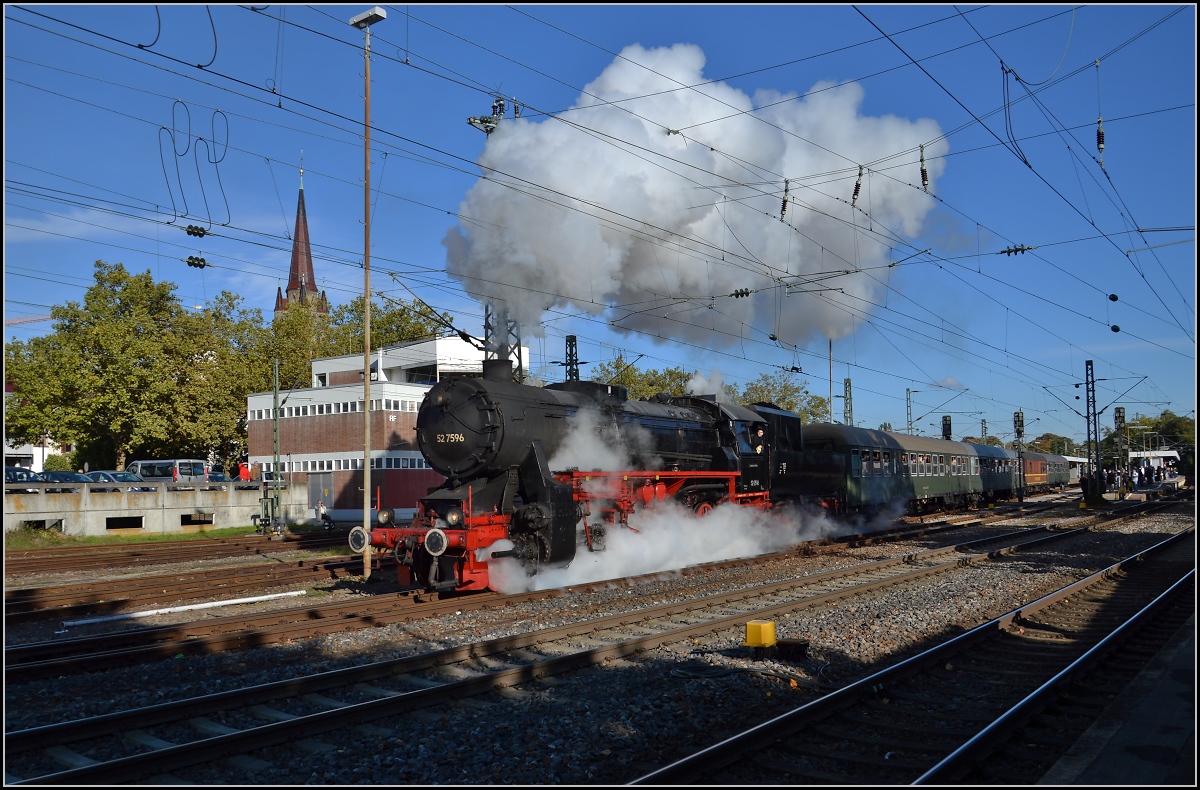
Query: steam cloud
669	537
525	249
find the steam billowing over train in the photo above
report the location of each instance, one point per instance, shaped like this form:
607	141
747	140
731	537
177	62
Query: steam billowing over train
493	440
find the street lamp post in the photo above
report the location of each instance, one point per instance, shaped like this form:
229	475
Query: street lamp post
363	22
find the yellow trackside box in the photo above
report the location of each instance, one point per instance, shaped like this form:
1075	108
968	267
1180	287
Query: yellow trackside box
760	633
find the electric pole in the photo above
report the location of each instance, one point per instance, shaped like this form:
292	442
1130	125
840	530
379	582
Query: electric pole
1019	432
363	22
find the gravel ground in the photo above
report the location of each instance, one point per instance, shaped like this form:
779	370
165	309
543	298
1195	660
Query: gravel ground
605	725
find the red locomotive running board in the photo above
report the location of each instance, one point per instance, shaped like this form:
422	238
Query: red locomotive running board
610	496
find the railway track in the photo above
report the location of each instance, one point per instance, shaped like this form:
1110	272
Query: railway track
1004	687
88	556
146	742
238	632
123	595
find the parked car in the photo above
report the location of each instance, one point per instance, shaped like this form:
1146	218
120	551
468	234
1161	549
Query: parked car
218	477
187	470
123	479
65	477
19	474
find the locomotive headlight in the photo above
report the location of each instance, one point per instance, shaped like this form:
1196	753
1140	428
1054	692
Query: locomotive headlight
436	542
454	517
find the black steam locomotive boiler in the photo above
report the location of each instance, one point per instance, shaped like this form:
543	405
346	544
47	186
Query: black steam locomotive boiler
493	438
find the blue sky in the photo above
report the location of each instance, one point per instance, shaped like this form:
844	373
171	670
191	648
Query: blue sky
643	184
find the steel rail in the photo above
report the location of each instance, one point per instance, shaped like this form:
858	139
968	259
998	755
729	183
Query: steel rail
88	728
961	759
127	768
708	760
42	659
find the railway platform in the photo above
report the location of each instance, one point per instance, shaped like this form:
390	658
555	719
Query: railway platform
1148	733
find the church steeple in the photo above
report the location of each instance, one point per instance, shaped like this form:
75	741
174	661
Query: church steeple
301	287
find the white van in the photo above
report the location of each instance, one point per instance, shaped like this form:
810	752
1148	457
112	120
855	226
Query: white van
187	470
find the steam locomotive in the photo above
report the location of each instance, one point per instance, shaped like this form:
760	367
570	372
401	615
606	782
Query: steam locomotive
493	438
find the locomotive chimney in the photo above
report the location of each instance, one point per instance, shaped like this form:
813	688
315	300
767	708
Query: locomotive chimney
498	369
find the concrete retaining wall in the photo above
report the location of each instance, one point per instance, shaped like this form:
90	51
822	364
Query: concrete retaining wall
168	507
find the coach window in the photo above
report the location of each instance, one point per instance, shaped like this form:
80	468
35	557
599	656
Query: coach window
887	462
854	467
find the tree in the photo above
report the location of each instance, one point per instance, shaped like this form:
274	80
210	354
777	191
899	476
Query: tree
59	462
106	375
130	371
642	384
228	362
991	441
1050	443
397	321
783	389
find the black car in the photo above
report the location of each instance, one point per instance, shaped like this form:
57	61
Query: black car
123	479
78	479
19	474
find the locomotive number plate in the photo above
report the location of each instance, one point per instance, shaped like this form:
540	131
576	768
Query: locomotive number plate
450	437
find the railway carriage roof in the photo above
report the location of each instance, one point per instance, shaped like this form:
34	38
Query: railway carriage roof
864	437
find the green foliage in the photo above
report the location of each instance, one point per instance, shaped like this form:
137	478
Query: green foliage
109	369
129	371
642	384
992	441
299	336
780	387
1051	443
59	462
785	390
397	321
35	538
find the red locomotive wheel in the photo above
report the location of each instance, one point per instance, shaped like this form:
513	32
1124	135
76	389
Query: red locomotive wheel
703	509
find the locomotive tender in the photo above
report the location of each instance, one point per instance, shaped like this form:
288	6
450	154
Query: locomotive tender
493	438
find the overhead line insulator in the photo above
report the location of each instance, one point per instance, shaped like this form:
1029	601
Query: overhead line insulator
924	171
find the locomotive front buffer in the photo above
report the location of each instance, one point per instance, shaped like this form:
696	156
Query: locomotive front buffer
545	517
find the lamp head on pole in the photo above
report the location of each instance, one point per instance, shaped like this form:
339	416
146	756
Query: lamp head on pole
368	18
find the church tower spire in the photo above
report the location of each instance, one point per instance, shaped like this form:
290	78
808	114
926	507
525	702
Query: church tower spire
301	287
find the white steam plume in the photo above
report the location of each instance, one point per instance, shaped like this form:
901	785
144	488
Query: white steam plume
712	384
720	191
594	444
669	537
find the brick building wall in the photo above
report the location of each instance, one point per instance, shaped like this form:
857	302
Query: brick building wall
321	432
